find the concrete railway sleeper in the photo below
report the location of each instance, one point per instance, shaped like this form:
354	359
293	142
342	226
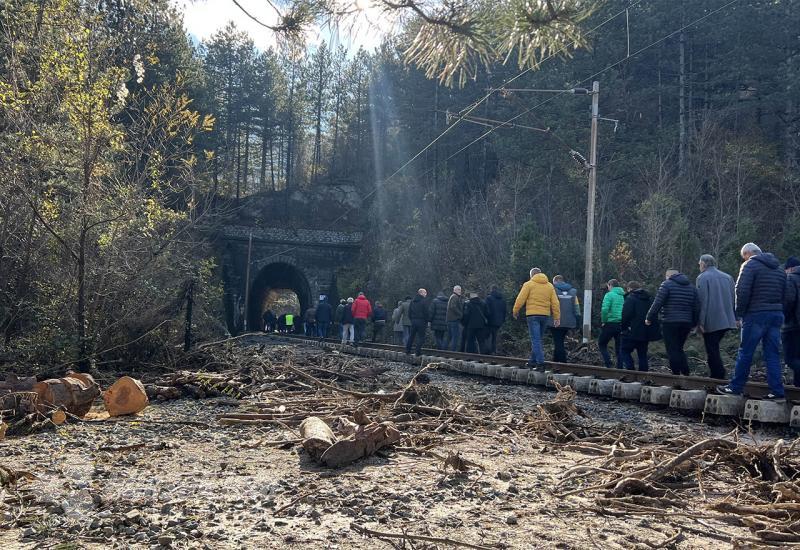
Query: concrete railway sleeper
687	393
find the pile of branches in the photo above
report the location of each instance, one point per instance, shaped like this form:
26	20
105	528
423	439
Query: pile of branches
671	476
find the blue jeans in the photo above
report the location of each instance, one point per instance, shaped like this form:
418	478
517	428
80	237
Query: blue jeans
536	326
322	329
406	333
454	332
764	327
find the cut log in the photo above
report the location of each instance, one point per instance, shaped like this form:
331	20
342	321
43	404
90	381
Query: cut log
363	443
317	436
58	417
126	396
74	393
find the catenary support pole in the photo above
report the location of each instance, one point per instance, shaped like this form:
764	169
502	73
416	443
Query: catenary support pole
587	282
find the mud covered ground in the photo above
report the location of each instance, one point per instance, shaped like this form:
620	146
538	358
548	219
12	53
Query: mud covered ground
174	477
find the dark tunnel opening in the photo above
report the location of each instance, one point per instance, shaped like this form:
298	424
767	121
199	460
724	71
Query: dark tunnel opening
278	285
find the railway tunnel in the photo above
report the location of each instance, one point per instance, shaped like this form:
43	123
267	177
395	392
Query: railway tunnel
281	287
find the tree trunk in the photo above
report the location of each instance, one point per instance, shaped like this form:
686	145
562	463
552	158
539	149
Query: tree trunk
75	393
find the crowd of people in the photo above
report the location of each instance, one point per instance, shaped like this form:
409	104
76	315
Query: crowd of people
764	303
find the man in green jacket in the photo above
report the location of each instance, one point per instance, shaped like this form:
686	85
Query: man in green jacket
611	319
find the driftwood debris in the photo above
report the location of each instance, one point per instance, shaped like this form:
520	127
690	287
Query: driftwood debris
126	396
317	436
74	393
363	443
358	441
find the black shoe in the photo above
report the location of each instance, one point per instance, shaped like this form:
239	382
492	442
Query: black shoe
725	389
540	367
772	397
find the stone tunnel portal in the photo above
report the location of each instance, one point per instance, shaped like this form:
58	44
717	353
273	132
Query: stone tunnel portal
274	284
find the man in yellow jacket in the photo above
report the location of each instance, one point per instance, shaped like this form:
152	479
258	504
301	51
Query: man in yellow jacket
540	301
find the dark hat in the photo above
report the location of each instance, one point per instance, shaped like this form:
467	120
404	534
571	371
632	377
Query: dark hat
791	262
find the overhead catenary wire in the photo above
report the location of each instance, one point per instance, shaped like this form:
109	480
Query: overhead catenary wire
589	78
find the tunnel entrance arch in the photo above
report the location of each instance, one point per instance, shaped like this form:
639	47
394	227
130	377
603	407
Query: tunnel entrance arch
277	276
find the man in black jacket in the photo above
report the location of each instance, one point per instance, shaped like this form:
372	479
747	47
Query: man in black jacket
324	317
419	313
760	291
677	297
496	311
636	335
790	332
438	318
475	324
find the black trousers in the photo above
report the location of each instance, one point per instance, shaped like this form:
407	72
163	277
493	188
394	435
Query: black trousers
609	331
675	335
377	331
791	352
417	334
715	366
491	341
559	350
473	335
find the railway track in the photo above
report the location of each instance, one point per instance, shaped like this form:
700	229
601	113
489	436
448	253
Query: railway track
754	390
688	393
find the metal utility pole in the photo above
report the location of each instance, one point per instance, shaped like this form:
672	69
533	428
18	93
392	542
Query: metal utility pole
247	283
587	279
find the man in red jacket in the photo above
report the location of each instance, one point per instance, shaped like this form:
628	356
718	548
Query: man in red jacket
362	310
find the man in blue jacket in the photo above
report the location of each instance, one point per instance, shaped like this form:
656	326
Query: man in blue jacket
760	290
680	308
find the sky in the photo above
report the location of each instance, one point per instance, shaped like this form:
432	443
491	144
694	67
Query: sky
203	18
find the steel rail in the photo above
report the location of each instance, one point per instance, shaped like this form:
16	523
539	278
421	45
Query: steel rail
752	389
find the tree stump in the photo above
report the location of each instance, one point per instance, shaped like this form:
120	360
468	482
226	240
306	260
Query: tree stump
126	396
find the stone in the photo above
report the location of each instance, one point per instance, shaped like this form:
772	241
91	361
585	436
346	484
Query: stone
108	531
688	400
656	395
794	417
29	532
581	383
512	519
133	516
768	412
725	405
630	391
603	387
562	378
166	540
